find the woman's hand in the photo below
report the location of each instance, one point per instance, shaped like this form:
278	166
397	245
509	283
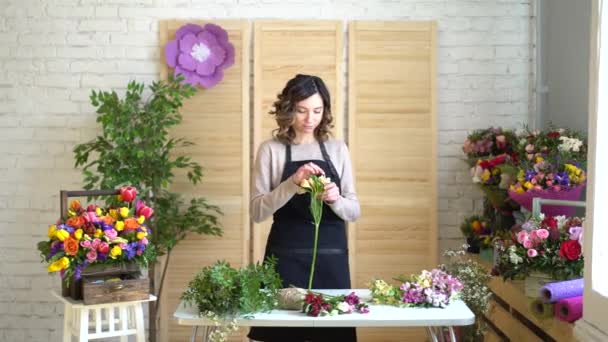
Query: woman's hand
305	171
332	192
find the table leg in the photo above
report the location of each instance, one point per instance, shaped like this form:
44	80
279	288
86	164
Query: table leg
83	336
139	323
452	334
194	331
67	323
431	333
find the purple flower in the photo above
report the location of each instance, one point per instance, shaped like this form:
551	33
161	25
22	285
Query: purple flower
529	175
562	178
200	54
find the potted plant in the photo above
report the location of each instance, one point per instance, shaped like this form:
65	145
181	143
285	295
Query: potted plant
135	148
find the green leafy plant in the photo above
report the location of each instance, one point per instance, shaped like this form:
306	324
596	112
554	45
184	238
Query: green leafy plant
221	292
475	293
135	148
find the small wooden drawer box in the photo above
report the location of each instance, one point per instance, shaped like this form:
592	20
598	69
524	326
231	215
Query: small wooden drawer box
114	289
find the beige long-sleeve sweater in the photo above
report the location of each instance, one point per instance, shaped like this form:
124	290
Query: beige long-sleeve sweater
269	194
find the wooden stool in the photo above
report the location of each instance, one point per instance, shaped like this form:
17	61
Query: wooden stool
89	322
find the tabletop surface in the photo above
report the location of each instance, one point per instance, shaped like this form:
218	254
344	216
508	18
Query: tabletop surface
457	313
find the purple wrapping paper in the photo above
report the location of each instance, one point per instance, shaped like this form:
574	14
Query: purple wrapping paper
569	309
553	292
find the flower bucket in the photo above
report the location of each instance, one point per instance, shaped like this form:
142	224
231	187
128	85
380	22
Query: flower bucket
572	194
534	282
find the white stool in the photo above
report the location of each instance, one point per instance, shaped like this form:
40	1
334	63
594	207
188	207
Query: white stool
88	322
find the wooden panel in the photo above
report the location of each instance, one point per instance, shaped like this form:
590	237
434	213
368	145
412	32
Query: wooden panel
282	50
217	121
511	327
393	140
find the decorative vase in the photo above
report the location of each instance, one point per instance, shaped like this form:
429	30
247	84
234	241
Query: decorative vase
572	194
535	281
487	254
473	245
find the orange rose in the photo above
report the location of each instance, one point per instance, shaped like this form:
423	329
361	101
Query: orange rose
131	223
108	219
76	222
70	246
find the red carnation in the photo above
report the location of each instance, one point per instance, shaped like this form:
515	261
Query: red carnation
570	249
553	134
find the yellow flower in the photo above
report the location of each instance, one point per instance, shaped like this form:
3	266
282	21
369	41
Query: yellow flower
98	211
141	235
520	190
59	265
114	213
62	234
141	219
485	175
78	234
115	251
305	184
325	180
98	233
124	212
539	159
120	225
144	228
521	175
495	171
52	231
528	185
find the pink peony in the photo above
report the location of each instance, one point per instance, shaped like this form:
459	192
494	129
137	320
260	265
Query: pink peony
91	255
522	236
532	253
111	234
528	243
542	234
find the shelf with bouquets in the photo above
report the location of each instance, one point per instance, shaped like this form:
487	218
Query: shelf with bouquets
552	165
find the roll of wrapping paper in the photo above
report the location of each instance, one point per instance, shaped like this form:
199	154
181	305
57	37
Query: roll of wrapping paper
541	310
552	292
569	309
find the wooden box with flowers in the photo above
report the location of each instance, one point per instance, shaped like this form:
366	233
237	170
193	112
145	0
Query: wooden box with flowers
99	251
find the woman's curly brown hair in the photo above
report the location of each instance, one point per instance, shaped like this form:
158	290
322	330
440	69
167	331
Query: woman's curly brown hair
297	89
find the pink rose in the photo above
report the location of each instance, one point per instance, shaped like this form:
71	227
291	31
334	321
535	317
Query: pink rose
91	255
501	141
542	234
142	209
104	247
529	156
90	216
528	243
522	236
144	241
111	234
532	253
95	243
529	148
128	193
91	207
85	244
575	233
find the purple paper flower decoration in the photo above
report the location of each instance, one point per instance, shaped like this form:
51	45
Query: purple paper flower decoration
200	54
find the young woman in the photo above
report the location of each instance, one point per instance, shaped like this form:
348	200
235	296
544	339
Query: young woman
302	147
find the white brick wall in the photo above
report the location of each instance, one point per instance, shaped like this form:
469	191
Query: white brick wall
52	53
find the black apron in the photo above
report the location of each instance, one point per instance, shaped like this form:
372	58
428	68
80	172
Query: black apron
291	240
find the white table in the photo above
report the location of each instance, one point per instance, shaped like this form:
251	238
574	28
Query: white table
105	320
434	319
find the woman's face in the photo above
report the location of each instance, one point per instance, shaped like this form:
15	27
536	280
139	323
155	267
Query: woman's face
309	113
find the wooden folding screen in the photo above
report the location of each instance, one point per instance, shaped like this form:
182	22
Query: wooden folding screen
217	121
282	50
393	142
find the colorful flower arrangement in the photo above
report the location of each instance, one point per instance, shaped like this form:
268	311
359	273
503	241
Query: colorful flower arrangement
319	304
96	235
434	288
551	244
483	143
477	231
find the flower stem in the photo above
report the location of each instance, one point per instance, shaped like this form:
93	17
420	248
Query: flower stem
317	210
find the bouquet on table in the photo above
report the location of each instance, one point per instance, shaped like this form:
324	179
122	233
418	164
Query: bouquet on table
319	304
477	231
549	244
434	288
553	165
95	235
